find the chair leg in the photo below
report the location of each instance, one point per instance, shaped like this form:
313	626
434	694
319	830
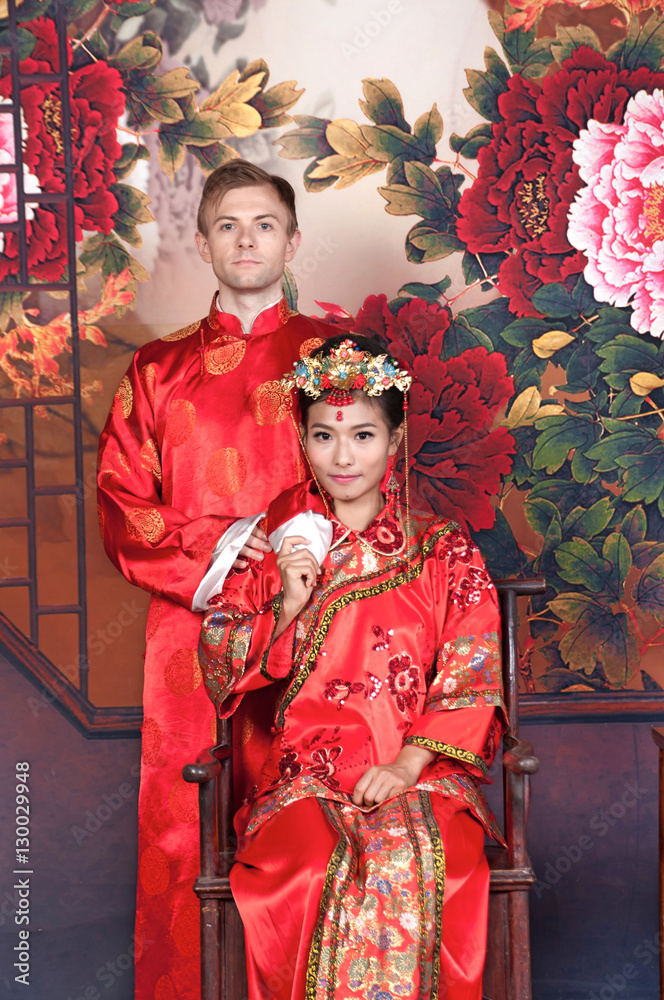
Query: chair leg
210	935
519	944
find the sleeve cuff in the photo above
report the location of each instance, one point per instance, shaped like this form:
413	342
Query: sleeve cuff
448	750
224	555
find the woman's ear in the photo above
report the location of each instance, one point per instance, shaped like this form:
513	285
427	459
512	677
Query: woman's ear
396	438
303	432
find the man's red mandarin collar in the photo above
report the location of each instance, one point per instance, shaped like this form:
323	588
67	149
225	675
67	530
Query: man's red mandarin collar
268	320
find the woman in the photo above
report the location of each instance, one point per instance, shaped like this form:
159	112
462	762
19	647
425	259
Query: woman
360	869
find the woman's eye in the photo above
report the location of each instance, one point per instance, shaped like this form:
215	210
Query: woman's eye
364	435
322	436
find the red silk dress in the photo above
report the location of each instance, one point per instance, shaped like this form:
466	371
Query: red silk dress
199	435
393	648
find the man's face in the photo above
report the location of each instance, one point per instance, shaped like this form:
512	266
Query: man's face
247	241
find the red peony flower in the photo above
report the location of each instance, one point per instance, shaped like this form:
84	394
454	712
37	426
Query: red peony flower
323	766
403	681
96	102
456	457
527	179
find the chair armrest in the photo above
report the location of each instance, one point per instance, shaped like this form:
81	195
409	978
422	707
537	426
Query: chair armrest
520	759
207	766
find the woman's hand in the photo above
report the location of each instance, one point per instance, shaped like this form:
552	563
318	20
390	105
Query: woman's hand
254	548
382	781
298	571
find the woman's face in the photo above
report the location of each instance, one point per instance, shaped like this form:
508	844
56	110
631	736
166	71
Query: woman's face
349	456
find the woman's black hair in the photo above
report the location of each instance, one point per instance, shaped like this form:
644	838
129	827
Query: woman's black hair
390	401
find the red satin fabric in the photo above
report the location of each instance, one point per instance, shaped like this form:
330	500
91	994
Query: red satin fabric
199	435
278	881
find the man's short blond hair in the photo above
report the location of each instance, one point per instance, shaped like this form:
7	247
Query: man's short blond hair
239	174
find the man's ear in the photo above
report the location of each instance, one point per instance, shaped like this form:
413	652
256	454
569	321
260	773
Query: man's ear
202	247
292	245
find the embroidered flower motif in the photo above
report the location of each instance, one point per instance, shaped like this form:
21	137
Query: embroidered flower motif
403	681
409	921
457	547
449	685
374	685
323	766
469	590
385	535
369	562
384	637
339	691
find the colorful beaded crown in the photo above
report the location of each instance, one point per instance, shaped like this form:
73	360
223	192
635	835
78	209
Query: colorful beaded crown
343	369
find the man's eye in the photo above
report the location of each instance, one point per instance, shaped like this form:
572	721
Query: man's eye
265	225
226	226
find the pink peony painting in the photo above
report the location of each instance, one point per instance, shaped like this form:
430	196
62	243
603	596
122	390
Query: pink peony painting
617	219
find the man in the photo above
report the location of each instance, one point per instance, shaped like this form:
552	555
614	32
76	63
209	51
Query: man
198	436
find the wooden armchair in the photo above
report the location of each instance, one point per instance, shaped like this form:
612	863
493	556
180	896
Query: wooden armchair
507	969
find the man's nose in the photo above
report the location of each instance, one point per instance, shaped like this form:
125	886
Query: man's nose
245	237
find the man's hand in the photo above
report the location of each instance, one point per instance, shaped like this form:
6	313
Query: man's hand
254	548
382	781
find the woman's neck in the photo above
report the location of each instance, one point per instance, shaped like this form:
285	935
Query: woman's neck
358	514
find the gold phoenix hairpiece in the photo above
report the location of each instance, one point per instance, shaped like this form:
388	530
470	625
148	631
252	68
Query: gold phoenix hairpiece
343	369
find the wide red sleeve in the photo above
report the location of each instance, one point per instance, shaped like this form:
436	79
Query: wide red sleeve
463	713
237	649
153	544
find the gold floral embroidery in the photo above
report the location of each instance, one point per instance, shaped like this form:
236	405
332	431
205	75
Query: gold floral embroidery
150	741
150	458
124	398
309	346
145	523
183	801
186	331
148	379
223	355
226	472
153	871
182	675
180	422
284	311
114	463
269	404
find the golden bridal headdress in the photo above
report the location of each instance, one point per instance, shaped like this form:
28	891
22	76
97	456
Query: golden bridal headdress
343	369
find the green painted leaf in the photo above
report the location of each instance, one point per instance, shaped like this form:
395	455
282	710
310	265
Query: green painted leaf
642	46
645	553
470	144
131	153
428	130
11	308
307	139
580	646
482	93
499	548
383	103
540	513
213	156
290	289
492	317
423	195
25	43
582	468
625	355
580	564
274	104
316	184
554	300
644	475
171	154
618	554
143	52
572	37
460	337
116	258
525	53
634	526
587	523
430	293
425	243
522	332
559	435
571	605
619	655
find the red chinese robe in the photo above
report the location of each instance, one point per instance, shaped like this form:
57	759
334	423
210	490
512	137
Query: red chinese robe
393	648
199	434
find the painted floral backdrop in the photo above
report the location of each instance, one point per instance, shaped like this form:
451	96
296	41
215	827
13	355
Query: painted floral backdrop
538	414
